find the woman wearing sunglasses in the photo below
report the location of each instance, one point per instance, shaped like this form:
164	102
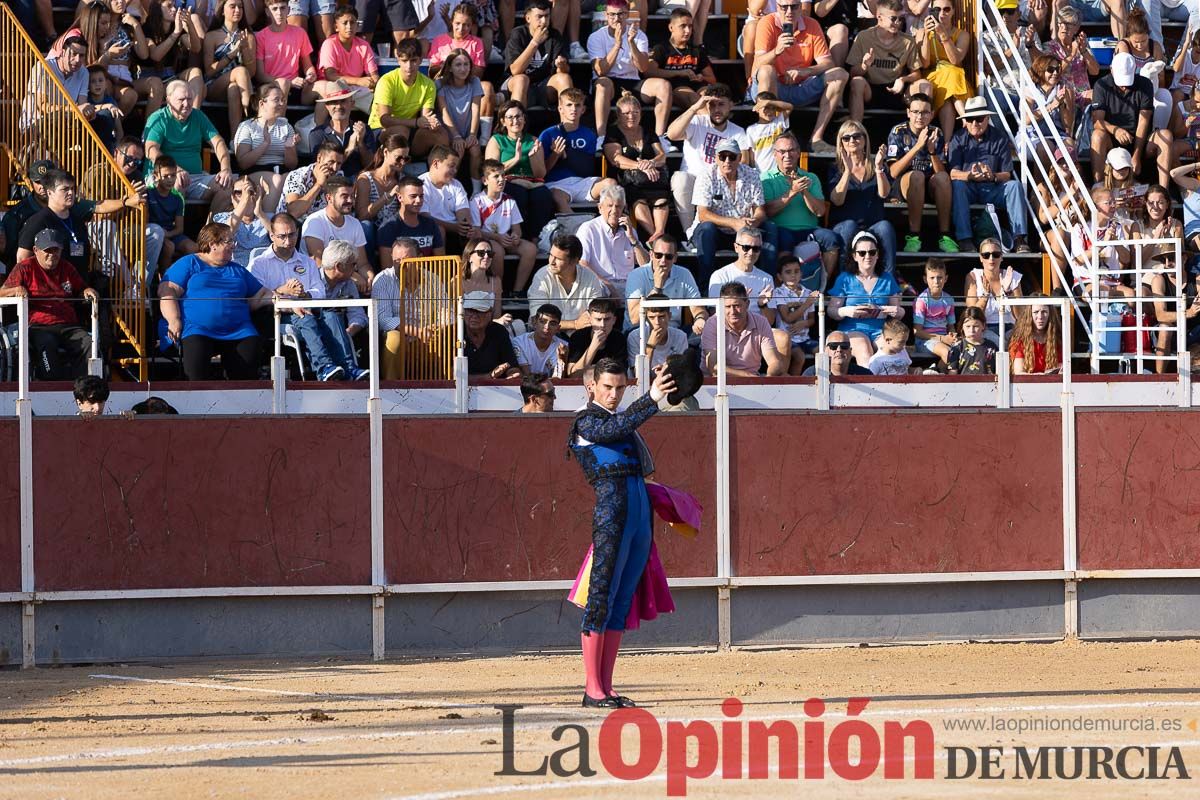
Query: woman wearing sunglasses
863	296
944	49
989	283
859	185
480	273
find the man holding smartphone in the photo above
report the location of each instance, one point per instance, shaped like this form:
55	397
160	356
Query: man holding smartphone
792	59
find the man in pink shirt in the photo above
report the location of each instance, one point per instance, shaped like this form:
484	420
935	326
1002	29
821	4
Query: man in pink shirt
748	338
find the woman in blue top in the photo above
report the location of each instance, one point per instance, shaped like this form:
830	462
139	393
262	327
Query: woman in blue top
206	300
863	296
858	186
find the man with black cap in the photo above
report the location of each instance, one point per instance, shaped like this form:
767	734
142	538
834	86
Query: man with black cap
33	202
52	284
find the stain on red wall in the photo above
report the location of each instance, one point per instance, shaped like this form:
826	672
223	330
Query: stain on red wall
10	506
1138	489
191	502
896	492
495	499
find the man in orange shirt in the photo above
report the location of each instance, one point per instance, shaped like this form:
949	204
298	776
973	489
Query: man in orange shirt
792	59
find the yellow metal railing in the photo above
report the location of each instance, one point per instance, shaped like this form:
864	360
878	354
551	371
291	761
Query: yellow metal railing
430	289
39	121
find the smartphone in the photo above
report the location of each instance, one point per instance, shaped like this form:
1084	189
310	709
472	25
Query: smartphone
787	28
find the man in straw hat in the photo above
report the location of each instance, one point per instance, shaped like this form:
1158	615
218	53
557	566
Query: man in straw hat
981	171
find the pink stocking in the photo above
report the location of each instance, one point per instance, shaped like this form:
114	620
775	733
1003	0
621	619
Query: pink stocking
612	643
593	649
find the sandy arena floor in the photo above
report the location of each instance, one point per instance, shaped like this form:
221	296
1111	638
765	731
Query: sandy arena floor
427	729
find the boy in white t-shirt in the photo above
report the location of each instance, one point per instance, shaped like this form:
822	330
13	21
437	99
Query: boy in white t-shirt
891	358
773	118
497	217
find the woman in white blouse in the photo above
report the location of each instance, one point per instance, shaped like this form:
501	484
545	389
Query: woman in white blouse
267	143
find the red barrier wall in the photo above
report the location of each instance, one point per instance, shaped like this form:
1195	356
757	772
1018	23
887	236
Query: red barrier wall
1137	488
835	493
10	506
201	502
496	499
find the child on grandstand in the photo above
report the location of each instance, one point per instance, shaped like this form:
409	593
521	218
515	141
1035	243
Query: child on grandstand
1185	178
1186	121
681	63
496	215
915	153
793	305
972	354
1084	238
346	62
891	358
462	23
460	102
1034	347
1186	69
101	99
773	118
933	313
164	207
285	54
1129	196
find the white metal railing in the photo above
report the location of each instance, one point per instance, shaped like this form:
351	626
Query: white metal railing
279	367
995	67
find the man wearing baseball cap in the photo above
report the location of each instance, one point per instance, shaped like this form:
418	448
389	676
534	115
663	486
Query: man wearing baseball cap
728	197
33	202
488	346
58	343
1122	114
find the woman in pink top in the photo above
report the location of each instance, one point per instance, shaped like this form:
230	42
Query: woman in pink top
285	54
346	62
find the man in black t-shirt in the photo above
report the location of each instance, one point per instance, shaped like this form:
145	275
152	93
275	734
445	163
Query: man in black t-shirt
588	345
411	223
488	348
1122	112
64	214
536	56
684	65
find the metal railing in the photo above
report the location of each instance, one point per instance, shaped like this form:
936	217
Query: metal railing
38	120
430	290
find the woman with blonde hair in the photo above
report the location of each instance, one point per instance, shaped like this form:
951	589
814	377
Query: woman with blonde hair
1034	346
641	167
858	185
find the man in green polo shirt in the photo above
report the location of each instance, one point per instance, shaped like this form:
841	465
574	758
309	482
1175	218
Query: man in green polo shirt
404	102
179	130
795	205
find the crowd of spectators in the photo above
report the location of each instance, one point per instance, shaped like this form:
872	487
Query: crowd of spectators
466	131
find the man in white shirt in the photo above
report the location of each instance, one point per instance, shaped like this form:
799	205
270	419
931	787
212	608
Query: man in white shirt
541	349
610	245
566	284
701	127
620	52
282	267
336	222
759	285
445	199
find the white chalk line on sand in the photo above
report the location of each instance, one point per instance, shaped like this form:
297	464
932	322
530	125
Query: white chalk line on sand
129	752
